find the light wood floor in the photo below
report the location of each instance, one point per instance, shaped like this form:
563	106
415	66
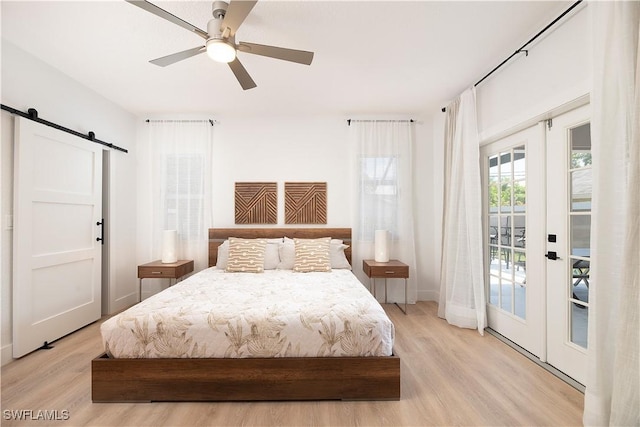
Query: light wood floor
450	376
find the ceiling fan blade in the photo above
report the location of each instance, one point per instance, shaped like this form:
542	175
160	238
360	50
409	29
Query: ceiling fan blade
299	56
178	56
236	14
242	75
150	7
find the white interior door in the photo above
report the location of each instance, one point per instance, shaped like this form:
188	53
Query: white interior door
513	183
569	233
57	259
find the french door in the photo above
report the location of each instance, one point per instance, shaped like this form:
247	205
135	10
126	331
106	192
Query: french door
537	220
513	222
568	241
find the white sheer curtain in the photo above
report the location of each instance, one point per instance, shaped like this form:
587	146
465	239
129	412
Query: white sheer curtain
181	153
462	294
383	156
612	395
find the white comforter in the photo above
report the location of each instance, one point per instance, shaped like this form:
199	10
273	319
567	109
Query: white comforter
277	313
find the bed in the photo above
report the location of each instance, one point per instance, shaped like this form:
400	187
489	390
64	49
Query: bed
239	368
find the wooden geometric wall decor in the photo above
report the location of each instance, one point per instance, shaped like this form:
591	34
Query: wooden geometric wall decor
305	202
256	202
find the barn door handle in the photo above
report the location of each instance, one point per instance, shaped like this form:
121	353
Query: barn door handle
101	238
552	255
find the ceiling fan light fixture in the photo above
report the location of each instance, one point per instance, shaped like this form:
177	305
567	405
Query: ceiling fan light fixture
220	50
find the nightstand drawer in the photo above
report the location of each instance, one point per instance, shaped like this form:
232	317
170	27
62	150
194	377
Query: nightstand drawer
159	270
391	272
391	269
150	272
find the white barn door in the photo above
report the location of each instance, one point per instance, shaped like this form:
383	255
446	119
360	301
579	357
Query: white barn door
57	259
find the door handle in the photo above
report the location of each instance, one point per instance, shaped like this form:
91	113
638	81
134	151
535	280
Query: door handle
552	255
101	238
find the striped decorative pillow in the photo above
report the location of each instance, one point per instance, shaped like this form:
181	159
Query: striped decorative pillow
246	255
312	255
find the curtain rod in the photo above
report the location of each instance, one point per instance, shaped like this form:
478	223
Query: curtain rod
379	121
522	48
213	122
32	114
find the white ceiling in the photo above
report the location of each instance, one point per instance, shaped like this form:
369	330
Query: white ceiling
371	57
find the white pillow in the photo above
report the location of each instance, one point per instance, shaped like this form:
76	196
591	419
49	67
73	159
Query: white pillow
223	255
287	253
338	257
271	256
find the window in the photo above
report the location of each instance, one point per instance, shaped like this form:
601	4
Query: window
184	194
378	195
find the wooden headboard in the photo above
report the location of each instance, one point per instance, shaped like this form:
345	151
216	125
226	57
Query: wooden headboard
219	235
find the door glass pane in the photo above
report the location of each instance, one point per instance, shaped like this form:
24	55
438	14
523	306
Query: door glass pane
581	146
580	178
505	196
519	231
493	230
505	181
507	230
494	179
507	264
579	323
507	293
519	179
520	301
580	235
505	165
581	190
520	265
494	290
580	270
519	196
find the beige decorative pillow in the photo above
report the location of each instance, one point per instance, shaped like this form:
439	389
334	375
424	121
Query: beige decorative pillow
246	255
312	255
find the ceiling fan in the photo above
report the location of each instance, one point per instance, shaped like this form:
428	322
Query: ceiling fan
221	39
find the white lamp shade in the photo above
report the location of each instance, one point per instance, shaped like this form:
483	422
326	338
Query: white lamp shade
381	246
169	246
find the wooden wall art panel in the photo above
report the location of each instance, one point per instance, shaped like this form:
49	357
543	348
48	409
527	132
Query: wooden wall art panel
305	202
256	202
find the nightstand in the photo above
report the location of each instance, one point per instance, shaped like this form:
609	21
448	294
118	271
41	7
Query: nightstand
386	270
159	270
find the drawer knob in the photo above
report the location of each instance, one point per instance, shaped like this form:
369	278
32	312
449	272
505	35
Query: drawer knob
389	272
156	272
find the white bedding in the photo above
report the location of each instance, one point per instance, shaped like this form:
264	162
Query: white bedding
278	313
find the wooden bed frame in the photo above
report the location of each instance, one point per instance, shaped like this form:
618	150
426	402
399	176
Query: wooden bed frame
249	379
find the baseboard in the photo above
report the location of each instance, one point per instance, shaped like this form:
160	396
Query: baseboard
428	295
6	354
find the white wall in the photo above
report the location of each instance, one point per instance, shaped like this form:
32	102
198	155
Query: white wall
261	148
556	72
277	148
30	83
282	149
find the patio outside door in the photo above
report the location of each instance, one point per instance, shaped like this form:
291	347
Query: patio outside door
537	221
513	182
569	219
